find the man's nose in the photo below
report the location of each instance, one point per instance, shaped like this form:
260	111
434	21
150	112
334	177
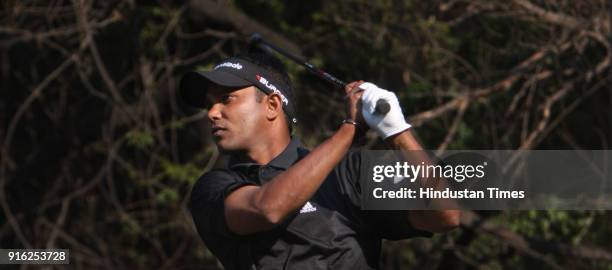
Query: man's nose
214	113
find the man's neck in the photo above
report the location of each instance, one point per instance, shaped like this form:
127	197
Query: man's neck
266	151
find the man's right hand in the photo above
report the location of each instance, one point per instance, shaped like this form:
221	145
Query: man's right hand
353	102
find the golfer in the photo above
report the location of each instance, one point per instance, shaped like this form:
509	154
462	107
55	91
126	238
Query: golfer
278	205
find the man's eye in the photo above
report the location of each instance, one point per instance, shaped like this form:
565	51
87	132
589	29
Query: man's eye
226	98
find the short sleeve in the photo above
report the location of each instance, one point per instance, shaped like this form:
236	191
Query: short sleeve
392	225
207	203
347	173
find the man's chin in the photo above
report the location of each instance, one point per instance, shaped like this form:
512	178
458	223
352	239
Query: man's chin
225	147
223	150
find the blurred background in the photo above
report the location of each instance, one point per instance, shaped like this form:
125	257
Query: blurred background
98	156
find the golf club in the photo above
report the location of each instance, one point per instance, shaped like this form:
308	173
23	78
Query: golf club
382	106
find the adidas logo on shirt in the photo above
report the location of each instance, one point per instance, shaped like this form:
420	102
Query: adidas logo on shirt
307	208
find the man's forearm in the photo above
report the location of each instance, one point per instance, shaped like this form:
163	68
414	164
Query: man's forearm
430	220
291	189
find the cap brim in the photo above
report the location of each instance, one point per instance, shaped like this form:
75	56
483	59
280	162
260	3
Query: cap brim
194	85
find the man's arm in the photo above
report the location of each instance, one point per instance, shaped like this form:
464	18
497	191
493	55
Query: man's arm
252	209
428	220
394	129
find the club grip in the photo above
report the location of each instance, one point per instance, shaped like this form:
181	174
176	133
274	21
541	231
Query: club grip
382	107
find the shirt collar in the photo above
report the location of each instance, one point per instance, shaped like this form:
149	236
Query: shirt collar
289	156
283	161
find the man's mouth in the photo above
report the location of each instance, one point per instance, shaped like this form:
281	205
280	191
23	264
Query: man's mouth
217	130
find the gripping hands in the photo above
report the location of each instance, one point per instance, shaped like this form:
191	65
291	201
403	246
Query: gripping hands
385	125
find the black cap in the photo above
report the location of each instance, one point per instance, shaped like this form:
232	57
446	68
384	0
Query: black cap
235	72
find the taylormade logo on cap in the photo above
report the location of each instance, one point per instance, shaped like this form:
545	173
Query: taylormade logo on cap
230	65
270	86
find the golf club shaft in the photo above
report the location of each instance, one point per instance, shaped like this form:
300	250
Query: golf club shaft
382	106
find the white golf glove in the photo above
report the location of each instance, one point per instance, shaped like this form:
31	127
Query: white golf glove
385	125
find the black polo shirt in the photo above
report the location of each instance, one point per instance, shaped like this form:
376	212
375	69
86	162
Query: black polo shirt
329	232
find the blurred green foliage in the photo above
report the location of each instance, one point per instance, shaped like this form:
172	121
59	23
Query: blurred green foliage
108	141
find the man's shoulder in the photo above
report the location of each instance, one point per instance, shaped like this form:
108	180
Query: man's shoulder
216	174
214	181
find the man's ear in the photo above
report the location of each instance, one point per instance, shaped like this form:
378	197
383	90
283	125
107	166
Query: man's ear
274	106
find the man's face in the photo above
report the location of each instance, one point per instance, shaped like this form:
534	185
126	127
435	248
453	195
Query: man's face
236	116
